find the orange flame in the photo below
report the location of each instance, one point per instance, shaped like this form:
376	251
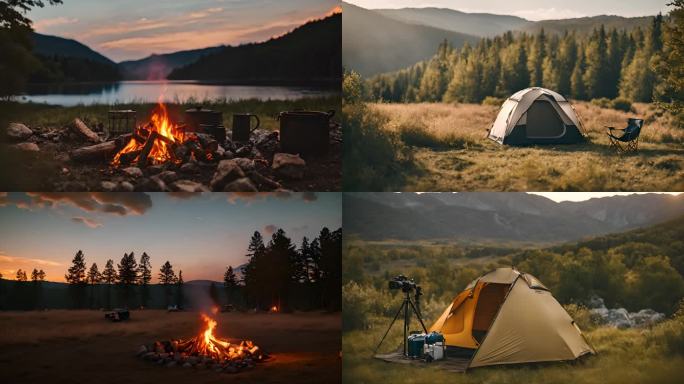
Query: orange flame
209	345
161	150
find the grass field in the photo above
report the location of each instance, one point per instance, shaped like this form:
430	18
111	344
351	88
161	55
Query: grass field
81	347
623	356
451	152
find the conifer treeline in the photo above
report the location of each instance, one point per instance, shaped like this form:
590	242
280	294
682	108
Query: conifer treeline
602	64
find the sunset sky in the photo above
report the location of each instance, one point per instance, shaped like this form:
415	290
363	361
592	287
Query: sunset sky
199	234
133	29
532	9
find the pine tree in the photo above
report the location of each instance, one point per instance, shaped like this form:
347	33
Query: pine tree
669	92
41	275
77	272
596	76
144	270
577	89
536	59
180	298
109	275
166	274
230	279
94	276
127	270
34	275
21	275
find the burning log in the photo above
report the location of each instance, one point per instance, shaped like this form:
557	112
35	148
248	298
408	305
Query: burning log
204	351
100	151
145	152
87	133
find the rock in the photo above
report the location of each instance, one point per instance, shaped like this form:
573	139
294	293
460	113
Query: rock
226	172
288	165
245	164
108	186
18	131
220	152
150	356
141	351
228	155
168	176
125	186
193	360
28	147
151	184
243	151
189	167
134	172
621	318
189	186
646	317
154	169
65	170
187	365
242	184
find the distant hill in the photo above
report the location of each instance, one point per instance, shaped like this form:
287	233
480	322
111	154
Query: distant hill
478	24
586	25
158	67
67	60
373	43
500	216
309	54
46	45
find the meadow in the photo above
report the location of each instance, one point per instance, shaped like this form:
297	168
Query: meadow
78	346
444	147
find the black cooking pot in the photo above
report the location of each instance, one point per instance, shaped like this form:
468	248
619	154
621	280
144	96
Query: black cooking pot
200	119
305	132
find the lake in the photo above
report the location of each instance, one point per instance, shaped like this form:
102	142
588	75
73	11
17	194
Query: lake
149	92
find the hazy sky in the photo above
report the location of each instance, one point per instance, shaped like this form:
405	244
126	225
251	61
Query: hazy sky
132	29
201	234
532	9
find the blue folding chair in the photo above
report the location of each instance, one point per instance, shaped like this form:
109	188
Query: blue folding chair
628	138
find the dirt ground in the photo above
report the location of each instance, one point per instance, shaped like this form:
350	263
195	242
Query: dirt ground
81	347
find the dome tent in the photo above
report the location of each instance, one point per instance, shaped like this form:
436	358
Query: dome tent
536	116
509	317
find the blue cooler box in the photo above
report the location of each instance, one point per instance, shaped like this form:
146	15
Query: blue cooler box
415	345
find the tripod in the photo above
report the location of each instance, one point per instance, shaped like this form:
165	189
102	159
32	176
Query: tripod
407	320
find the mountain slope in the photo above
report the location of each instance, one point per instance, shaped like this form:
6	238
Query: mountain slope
586	25
46	45
500	216
309	54
158	67
478	24
373	43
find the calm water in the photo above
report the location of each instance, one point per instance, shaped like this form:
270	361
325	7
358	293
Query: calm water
149	91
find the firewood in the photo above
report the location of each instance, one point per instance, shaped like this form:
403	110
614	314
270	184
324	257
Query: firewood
123	140
142	160
100	151
128	157
87	133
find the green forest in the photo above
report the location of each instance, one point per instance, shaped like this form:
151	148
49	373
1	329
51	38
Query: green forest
639	269
634	66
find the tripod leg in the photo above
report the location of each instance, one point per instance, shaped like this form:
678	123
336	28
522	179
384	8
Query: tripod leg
418	316
390	327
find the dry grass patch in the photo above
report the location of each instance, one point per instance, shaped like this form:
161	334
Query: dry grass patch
450	146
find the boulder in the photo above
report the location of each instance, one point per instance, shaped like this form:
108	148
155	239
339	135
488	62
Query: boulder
28	147
134	172
189	186
226	172
108	186
18	131
242	184
245	164
190	167
168	176
288	165
125	186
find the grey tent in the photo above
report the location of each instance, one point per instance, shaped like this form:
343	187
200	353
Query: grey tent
509	317
536	116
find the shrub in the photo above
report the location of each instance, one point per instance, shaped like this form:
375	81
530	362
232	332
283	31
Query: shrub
670	334
417	134
355	307
491	100
583	317
621	104
602	102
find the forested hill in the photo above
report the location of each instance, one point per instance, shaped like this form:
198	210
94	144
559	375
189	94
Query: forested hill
585	25
157	67
310	54
374	43
63	60
606	63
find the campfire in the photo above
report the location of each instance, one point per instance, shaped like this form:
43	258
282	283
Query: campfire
161	141
204	351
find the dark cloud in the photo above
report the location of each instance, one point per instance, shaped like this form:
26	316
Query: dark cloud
136	203
86	221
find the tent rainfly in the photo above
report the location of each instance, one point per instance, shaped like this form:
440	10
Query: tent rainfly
509	317
536	116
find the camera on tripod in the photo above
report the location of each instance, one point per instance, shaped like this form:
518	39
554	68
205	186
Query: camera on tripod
404	283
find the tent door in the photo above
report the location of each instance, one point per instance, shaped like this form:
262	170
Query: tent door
543	121
491	298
